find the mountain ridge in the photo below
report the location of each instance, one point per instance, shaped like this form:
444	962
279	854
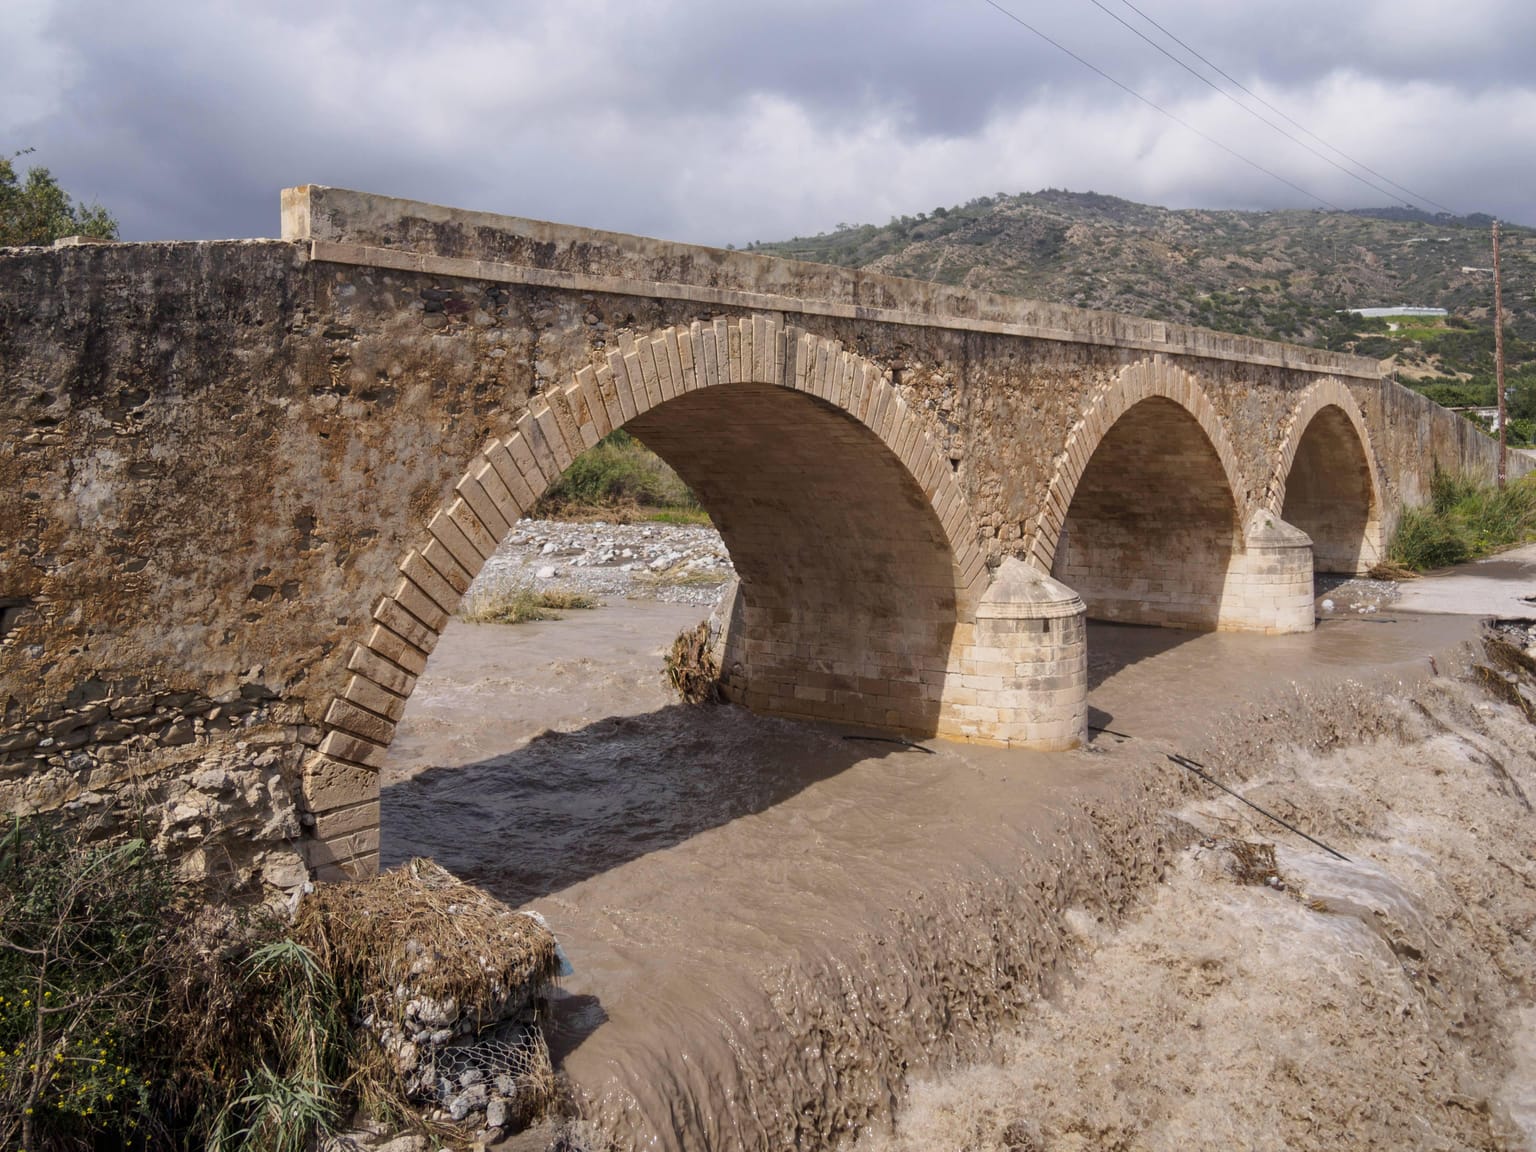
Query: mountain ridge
1280	274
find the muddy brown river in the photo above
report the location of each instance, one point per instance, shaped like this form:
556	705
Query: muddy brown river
777	925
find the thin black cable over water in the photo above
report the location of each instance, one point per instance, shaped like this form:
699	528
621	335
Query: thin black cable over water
1197	768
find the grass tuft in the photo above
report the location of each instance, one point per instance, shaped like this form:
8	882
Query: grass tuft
519	604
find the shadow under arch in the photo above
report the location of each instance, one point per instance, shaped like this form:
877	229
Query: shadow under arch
1143	517
856	548
572	805
1327	483
847	599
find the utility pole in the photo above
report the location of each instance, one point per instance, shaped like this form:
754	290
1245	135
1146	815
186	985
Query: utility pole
1498	355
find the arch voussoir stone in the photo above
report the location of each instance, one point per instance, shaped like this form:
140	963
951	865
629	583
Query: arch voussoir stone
511	473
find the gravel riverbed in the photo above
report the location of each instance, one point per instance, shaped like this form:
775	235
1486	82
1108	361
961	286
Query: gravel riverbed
674	563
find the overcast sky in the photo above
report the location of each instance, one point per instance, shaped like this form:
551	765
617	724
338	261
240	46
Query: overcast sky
728	121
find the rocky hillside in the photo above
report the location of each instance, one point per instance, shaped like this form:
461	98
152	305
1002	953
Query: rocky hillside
1280	274
1287	275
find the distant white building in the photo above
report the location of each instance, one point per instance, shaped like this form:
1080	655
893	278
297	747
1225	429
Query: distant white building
1400	310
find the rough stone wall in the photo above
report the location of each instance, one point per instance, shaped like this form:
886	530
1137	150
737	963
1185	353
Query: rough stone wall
1414	437
219	453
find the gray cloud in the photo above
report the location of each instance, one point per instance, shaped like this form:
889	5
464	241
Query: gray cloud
722	122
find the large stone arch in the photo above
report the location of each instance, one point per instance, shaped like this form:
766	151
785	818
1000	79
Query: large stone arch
1143	380
1327	480
897	678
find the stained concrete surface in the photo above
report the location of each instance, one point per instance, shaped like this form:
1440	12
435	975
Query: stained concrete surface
1502	585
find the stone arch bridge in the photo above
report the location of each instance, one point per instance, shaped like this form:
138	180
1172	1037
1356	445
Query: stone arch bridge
248	482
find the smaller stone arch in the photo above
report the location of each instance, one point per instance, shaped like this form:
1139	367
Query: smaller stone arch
1145	379
1346	536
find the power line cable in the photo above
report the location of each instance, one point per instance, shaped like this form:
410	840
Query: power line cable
1185	124
1214	87
1409	192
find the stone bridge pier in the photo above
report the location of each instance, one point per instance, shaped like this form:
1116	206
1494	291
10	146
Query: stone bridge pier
254	479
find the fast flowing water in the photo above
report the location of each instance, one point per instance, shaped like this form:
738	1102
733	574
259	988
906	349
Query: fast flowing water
774	923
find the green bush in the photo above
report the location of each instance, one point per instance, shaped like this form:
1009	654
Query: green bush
1464	519
1522	432
618	472
82	932
1426	539
129	1019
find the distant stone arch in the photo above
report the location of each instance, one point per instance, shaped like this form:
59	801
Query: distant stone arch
676	366
1143	380
1327	480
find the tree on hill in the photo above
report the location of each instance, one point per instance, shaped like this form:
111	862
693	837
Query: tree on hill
35	210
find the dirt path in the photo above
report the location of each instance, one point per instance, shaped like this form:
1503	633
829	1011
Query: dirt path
1502	585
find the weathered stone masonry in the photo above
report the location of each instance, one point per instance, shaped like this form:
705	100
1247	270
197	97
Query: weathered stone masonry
247	482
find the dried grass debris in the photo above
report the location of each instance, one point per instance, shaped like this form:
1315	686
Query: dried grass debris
691	669
449	982
1247	861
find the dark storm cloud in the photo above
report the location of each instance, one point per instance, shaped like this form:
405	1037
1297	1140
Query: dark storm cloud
733	121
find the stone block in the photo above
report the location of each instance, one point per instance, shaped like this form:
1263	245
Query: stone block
329	784
352	749
390	613
446	565
538	470
331	868
348	717
381	671
396	650
488	511
424	582
366	694
429	614
334	823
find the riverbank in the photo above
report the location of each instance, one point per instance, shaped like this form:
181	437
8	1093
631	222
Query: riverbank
1382	1002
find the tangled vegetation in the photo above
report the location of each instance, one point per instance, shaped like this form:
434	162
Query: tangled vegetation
691	669
130	1019
82	932
135	1017
1464	520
